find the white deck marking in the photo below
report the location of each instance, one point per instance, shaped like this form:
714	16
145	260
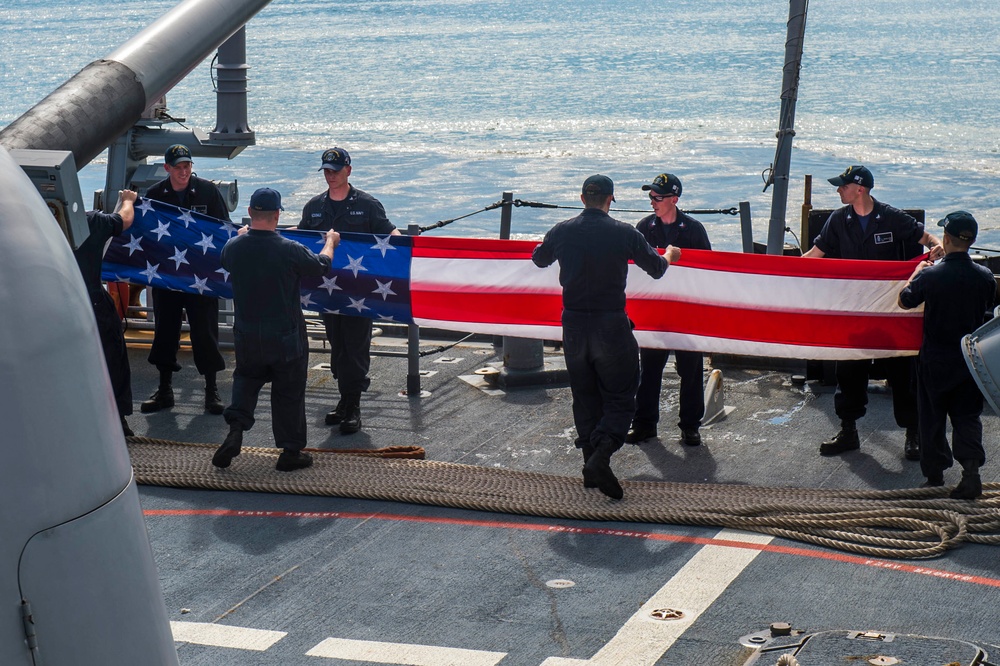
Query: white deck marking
402	653
222	635
642	641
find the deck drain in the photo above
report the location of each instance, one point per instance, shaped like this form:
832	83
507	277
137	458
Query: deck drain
559	583
666	614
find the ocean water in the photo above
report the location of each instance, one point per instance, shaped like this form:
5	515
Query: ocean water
446	104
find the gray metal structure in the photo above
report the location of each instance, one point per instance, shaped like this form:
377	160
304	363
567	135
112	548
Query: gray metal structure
110	103
783	153
982	355
77	579
77	576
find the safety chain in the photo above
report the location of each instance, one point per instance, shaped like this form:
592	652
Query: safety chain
520	203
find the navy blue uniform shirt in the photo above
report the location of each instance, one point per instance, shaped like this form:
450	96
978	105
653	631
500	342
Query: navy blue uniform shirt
889	232
956	293
593	251
685	232
90	254
360	212
266	271
200	195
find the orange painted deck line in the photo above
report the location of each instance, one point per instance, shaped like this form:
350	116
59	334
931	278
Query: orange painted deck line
893	565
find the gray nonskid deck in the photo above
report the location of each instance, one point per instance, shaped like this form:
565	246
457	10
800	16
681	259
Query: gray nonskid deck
336	578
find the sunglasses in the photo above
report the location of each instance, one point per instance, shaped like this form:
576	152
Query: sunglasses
660	197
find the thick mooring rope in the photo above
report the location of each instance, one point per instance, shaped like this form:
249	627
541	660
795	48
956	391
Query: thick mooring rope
913	523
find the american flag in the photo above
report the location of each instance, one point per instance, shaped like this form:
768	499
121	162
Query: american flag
178	249
725	302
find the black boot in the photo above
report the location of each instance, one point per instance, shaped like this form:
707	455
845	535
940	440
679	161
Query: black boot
230	447
126	430
588	451
845	440
213	402
911	446
691	437
639	434
971	486
597	471
352	416
336	415
289	461
163	397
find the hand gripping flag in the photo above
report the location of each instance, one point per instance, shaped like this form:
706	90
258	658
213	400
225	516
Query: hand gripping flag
709	301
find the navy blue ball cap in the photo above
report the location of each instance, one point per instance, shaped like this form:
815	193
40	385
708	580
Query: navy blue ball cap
666	184
335	159
598	184
176	154
266	199
854	174
960	224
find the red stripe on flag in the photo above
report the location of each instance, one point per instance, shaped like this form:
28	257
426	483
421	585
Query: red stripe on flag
711	260
488	307
811	329
472	248
808	329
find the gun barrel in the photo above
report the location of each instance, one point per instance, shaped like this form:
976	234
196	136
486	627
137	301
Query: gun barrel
102	101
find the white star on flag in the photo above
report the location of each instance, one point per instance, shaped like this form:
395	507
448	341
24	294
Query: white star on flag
387	318
358	305
382	245
161	230
330	284
306	300
225	274
179	257
205	243
201	284
146	207
230	228
150	272
186	218
384	289
337	311
354	265
134	245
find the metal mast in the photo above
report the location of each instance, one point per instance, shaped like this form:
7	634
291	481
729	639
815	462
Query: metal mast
783	154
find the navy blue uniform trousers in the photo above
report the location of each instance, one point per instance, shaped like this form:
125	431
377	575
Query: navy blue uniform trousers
203	320
851	399
602	358
350	352
690	367
946	390
283	360
109	326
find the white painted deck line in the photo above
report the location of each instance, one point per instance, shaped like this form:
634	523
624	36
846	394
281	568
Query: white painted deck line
642	641
222	635
403	653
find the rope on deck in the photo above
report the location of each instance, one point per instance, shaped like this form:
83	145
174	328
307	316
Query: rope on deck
910	523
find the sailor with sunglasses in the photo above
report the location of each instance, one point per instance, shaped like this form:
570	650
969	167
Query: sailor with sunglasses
669	226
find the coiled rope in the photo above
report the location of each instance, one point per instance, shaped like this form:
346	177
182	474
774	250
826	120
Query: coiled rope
912	523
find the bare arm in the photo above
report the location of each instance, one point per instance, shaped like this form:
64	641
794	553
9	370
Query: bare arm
815	252
126	207
332	241
932	243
